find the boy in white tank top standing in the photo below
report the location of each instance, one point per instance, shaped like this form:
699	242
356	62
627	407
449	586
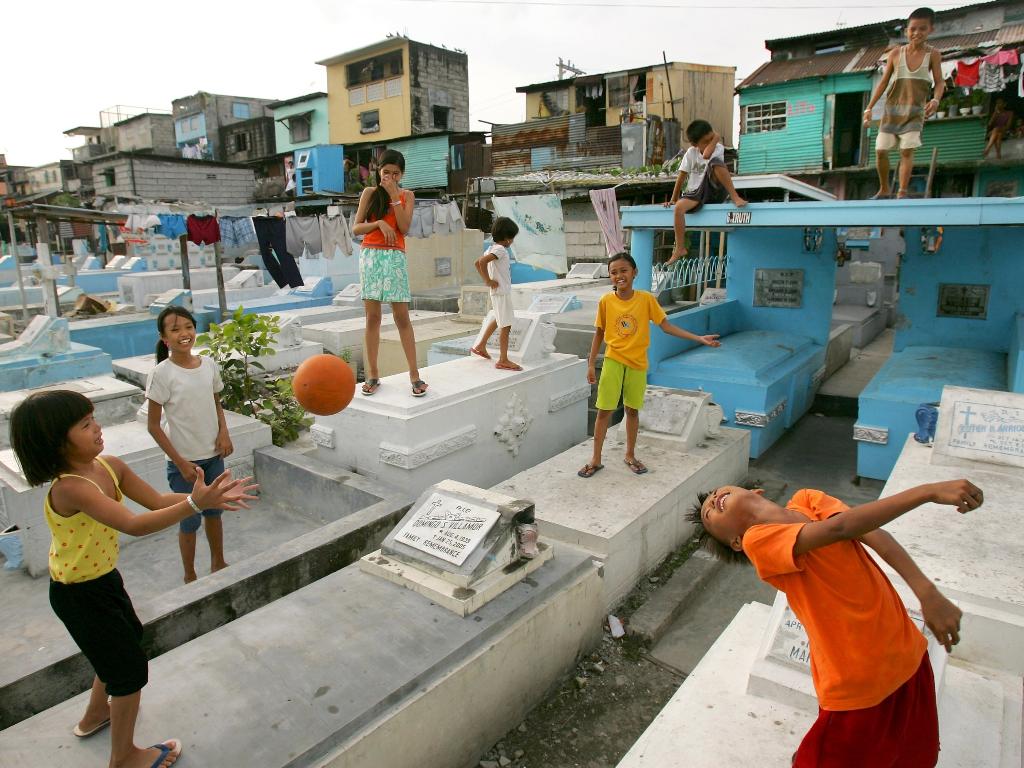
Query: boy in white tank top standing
911	68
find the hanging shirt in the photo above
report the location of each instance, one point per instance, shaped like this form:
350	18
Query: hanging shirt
991	78
967	72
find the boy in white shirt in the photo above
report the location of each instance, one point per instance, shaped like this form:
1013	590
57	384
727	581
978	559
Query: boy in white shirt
496	270
705	154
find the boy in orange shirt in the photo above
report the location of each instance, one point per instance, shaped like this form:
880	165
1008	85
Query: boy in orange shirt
869	662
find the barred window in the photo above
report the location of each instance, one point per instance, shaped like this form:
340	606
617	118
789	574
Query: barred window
758	118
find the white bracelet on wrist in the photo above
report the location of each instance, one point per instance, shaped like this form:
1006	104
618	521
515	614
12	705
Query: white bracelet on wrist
192	503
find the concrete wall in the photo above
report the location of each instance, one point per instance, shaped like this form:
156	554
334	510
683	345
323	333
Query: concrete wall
987	256
147	132
175	180
260	140
751	249
462	248
584	240
438	77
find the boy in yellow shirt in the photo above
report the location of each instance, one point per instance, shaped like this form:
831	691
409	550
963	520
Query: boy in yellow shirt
623	323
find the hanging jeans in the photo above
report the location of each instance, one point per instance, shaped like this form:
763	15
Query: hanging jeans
270	233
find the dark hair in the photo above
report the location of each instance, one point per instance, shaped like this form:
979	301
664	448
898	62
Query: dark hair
622	256
39	431
697	130
169	311
709	543
924	13
504	229
380	200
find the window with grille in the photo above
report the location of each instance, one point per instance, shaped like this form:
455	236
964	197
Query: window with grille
759	118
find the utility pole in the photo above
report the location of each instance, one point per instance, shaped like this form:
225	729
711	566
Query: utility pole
567	66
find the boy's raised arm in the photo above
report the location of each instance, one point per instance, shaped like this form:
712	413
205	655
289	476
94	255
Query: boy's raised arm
858	521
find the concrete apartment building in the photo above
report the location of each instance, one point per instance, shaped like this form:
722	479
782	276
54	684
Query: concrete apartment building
200	119
394	89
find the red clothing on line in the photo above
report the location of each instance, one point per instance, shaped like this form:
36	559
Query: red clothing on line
202	229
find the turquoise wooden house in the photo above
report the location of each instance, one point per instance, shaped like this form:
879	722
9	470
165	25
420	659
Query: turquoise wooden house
801	112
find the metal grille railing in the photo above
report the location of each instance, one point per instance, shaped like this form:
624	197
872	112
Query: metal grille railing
700	271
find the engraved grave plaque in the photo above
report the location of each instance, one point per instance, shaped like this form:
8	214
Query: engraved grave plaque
779	288
963	300
448	528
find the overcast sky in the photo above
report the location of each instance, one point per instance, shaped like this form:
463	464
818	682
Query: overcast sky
65	61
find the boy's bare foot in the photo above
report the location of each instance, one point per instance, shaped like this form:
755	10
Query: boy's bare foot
219	566
508	365
190	577
676	256
738	201
480	351
901	195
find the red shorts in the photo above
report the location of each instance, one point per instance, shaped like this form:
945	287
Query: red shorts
901	731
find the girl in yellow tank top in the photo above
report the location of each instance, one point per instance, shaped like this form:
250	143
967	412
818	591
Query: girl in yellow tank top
57	440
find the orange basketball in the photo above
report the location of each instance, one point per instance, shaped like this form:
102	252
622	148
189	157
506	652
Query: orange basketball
324	384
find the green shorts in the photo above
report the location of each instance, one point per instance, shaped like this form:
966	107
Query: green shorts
620	381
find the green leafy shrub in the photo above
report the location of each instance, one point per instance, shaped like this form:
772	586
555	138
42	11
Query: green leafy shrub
235	345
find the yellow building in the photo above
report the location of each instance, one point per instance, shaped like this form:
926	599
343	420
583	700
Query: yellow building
394	89
685	92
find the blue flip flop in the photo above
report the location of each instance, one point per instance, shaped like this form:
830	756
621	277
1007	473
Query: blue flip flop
169	747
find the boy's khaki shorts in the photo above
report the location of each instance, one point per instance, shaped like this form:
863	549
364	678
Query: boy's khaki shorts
887	141
620	381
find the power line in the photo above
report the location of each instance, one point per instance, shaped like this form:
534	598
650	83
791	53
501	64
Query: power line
673	6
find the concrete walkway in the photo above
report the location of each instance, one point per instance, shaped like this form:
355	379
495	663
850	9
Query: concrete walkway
852	378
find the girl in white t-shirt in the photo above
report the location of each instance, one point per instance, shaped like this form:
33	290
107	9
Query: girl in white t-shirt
182	391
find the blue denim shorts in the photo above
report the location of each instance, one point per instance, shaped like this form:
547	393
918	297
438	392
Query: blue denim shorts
211	468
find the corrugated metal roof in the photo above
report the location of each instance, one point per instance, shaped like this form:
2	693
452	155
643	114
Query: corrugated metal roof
822	65
1010	33
960	42
546	132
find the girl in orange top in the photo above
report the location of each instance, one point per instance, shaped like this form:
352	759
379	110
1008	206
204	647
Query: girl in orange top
56	438
383	218
869	662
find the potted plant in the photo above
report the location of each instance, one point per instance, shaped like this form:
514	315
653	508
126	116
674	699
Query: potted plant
945	106
977	101
964	105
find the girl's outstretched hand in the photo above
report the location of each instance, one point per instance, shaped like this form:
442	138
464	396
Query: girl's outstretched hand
224	492
711	340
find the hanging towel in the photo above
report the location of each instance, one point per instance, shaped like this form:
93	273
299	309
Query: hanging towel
541	239
606	205
967	72
1002	57
416	228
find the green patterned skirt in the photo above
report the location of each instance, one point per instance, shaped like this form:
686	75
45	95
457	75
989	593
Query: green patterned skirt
384	275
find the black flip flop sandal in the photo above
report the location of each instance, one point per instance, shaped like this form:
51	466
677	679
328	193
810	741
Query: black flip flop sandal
370	386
